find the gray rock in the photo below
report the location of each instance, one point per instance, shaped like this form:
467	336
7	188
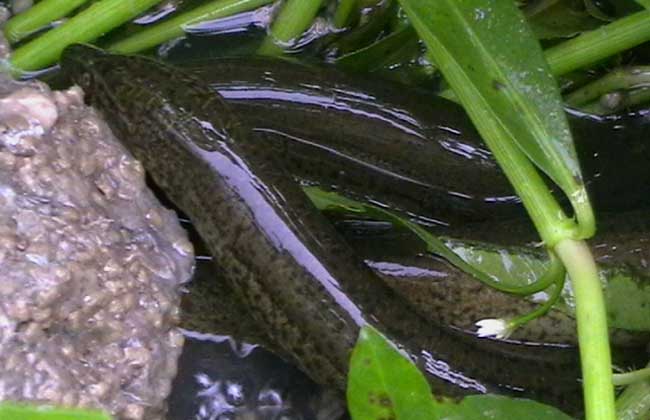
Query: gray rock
92	264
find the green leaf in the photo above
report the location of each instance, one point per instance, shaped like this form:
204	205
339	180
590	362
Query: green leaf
491	59
627	291
491	407
91	23
176	26
628	300
505	66
384	384
37	16
10	411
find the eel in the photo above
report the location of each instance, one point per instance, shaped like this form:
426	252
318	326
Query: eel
442	293
294	275
408	148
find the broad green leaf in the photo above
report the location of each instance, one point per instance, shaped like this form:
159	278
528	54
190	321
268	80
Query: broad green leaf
491	59
510	266
10	411
496	407
384	384
628	299
627	292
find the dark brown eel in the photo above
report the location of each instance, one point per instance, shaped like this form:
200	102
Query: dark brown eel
294	275
408	148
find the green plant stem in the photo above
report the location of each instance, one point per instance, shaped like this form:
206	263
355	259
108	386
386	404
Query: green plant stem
343	12
593	335
593	46
634	402
542	309
294	18
37	16
175	26
628	378
87	26
619	79
547	216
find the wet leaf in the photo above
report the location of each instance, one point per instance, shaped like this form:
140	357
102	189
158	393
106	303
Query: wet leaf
10	411
384	384
627	292
491	59
628	301
491	407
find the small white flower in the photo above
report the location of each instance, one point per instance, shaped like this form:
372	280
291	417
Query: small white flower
497	328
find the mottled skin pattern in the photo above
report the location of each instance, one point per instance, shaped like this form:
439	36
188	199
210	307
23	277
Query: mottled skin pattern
295	276
323	118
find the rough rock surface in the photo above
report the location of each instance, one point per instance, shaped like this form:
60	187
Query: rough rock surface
91	263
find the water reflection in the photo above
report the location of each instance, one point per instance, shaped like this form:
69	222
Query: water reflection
222	379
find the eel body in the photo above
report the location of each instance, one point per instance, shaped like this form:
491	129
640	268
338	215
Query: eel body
407	148
292	272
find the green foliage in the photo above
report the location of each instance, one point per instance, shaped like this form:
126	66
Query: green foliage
86	26
384	384
175	26
10	411
38	16
290	23
505	85
628	300
496	68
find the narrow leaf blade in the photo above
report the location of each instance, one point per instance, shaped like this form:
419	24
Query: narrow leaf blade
495	65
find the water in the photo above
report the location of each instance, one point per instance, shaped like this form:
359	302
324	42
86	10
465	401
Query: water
221	378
